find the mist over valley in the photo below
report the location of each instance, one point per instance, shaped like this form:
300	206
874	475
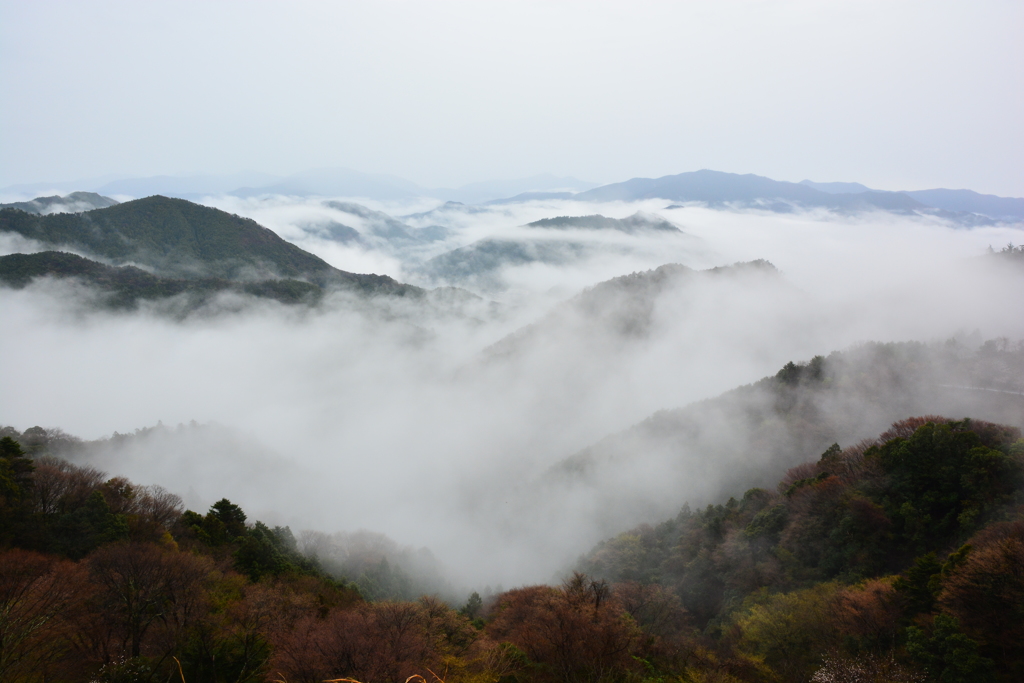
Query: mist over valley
478	403
521	342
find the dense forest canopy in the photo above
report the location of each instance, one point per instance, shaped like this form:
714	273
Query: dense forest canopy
898	558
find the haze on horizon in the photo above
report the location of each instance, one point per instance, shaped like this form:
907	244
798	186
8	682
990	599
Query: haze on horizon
906	95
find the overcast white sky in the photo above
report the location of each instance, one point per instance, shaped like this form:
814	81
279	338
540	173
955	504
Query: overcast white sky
897	95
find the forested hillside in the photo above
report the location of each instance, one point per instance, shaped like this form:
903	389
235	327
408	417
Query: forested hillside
749	436
908	547
178	239
639	221
72	203
895	559
123	287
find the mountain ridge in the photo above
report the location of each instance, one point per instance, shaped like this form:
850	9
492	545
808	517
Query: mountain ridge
123	287
178	239
75	202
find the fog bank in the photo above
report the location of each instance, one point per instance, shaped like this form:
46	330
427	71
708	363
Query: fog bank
388	416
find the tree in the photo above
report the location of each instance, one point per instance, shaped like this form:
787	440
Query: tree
15	487
230	515
144	585
947	653
940	479
473	606
84	529
578	632
260	554
36	591
920	585
985	592
224	523
790	631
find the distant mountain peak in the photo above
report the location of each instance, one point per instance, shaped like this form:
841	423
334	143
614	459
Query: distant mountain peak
639	221
837	188
75	202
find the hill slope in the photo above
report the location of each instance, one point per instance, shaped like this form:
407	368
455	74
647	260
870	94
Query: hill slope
751	435
125	286
716	188
557	241
807	568
1009	208
178	239
638	222
72	203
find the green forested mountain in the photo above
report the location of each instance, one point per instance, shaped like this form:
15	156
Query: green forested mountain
71	203
176	238
125	286
639	221
751	435
896	559
905	548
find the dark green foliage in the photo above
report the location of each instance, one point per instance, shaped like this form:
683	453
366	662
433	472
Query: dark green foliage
15	484
231	516
638	222
179	239
920	584
170	234
84	529
948	654
768	522
257	557
75	202
956	559
285	291
37	441
261	552
213	657
846	516
257	551
126	286
789	374
940	480
473	606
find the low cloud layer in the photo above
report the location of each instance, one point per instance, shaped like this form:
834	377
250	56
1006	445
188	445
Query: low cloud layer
391	417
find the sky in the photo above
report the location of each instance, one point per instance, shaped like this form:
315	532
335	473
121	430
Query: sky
895	95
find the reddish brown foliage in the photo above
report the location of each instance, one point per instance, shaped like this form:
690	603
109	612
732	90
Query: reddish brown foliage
987	591
805	470
59	487
869	612
576	633
904	429
37	593
384	641
147	593
655	609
